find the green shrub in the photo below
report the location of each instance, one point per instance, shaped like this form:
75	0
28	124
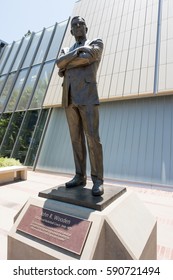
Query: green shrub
8	162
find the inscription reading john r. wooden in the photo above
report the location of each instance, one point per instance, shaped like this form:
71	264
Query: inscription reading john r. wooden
62	230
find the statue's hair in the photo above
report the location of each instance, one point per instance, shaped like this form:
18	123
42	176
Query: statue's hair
78	17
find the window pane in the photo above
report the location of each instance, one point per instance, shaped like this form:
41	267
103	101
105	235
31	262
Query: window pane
32	49
28	89
11	57
42	85
4	120
25	136
12	133
54	48
20	54
2	79
4	56
36	138
6	91
43	46
16	91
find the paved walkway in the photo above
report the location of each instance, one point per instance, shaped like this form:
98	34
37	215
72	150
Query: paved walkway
13	196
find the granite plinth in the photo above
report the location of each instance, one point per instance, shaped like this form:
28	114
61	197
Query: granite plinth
82	196
125	230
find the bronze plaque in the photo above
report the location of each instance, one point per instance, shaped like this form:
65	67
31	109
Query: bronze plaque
59	229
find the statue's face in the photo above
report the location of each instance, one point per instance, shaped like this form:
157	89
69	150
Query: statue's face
78	28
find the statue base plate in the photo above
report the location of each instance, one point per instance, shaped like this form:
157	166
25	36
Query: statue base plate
82	196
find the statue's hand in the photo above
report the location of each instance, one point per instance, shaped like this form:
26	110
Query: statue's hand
86	49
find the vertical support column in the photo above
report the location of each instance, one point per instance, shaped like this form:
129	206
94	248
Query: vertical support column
158	42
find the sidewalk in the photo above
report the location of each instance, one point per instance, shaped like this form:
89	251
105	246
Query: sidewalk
13	196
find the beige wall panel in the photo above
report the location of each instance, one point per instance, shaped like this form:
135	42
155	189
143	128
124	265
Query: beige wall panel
143	80
107	49
164	30
170	8
114	43
137	58
153	33
101	85
126	40
113	85
123	64
120	42
169	79
106	88
145	56
170	51
140	35
104	65
151	55
163	49
162	77
110	64
136	19
165	9
150	79
170	29
166	48
133	39
117	62
147	34
120	84
135	82
131	58
128	82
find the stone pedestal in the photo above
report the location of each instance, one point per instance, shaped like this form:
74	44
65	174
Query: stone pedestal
116	226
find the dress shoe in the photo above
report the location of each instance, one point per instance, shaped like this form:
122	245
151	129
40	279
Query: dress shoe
76	182
97	189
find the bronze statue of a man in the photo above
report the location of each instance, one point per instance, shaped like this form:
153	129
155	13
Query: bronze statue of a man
78	65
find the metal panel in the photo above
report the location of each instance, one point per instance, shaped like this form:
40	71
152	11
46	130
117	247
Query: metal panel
56	152
136	136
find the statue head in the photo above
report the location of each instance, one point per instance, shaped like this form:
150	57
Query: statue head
78	27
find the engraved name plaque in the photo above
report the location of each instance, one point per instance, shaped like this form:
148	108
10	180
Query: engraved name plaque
59	229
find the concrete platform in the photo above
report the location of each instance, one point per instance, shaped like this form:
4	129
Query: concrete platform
158	201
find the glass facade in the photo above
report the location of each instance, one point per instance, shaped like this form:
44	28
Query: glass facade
25	70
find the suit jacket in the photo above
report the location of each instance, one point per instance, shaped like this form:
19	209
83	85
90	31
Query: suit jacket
79	66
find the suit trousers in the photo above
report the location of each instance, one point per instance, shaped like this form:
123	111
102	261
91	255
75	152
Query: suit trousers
83	121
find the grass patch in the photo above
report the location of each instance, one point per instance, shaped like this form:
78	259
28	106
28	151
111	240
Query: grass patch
8	162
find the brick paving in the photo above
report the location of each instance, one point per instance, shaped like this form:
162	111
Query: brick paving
158	201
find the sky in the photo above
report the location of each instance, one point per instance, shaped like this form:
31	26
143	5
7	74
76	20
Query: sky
19	16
